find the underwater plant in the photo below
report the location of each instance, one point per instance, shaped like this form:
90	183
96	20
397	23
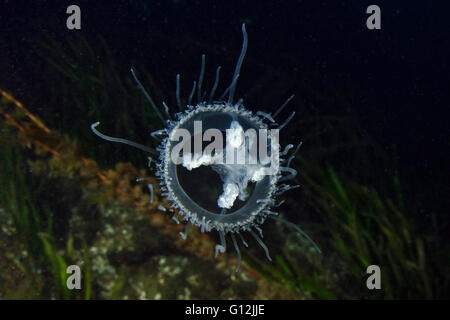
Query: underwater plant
266	180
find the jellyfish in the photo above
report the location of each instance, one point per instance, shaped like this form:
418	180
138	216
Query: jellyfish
237	210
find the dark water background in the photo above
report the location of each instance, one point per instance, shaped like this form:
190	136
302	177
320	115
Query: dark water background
399	74
394	81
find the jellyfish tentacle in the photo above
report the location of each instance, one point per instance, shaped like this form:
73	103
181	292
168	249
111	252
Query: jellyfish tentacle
242	239
155	108
283	105
177	93
222	247
292	174
238	64
186	230
150	189
298	229
225	92
200	79
236	247
174	218
292	157
166	109
191	95
143	179
266	116
261	243
216	83
120	140
287	121
157	133
286	149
